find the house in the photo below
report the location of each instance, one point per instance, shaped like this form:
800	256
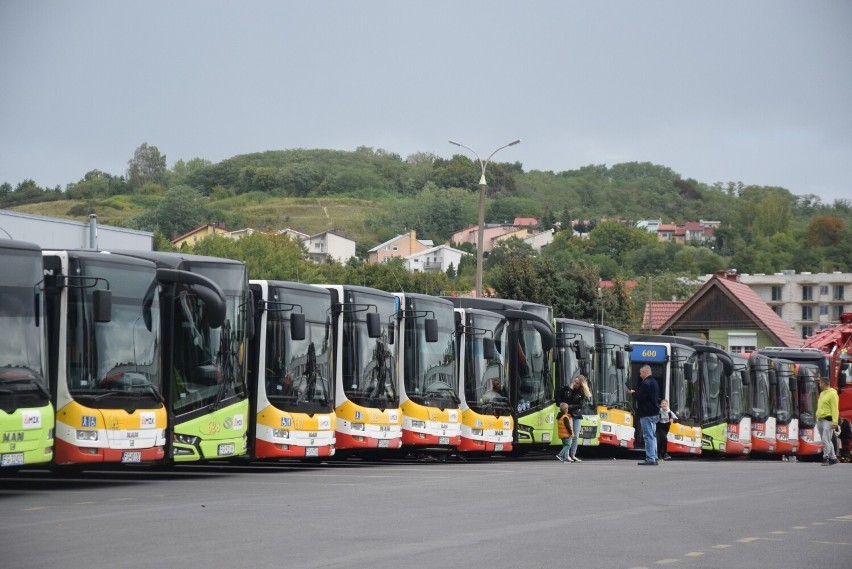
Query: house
435	259
525	222
400	246
192	237
539	241
327	246
513	234
490	234
293	234
728	312
240	233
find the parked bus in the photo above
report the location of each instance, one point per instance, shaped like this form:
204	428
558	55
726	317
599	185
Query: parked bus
737	405
762	418
614	405
366	396
673	365
104	358
811	364
573	355
290	371
481	341
204	321
26	411
429	382
529	367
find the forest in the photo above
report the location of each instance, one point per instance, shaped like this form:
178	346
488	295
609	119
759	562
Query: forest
371	195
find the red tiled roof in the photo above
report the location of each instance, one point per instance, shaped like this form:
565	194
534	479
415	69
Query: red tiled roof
748	300
658	312
628	284
521	221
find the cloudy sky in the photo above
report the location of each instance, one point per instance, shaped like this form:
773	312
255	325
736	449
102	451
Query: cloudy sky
758	92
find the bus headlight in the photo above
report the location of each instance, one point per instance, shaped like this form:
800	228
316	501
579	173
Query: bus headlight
280	434
476	432
357	426
87	435
418	424
185	439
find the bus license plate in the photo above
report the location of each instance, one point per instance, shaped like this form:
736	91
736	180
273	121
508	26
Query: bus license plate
131	456
225	449
498	447
443	440
383	443
13	459
545	437
311	451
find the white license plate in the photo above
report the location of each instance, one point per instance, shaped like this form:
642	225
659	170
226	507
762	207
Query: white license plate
131	456
384	443
443	440
225	449
498	447
13	459
622	443
545	437
311	451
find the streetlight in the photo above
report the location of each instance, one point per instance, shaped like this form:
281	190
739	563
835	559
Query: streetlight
481	229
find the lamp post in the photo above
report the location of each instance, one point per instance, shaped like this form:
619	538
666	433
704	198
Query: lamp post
481	229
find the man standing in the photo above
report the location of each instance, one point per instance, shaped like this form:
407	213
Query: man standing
648	407
827	414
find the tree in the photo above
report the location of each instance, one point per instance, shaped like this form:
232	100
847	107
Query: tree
147	165
181	209
825	231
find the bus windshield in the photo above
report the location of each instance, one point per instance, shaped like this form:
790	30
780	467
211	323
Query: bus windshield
210	367
108	362
612	382
760	394
712	372
298	371
738	396
808	395
784	410
22	364
430	368
485	390
684	394
368	363
567	365
533	381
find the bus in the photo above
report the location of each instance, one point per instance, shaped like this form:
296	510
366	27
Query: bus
737	404
428	376
290	371
573	355
481	341
673	366
785	407
811	364
104	358
614	405
762	378
204	323
529	367
366	396
26	410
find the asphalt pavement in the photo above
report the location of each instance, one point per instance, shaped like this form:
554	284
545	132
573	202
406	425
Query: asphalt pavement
527	513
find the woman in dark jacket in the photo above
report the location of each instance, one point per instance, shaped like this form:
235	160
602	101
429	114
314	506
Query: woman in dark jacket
577	397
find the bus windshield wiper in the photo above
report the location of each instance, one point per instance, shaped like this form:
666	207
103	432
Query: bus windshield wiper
26	380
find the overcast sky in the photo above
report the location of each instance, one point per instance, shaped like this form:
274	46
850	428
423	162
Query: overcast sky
751	91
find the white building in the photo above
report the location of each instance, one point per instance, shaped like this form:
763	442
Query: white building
806	301
56	233
436	259
327	245
540	240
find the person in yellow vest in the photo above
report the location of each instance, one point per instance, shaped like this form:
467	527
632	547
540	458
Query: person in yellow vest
827	414
566	433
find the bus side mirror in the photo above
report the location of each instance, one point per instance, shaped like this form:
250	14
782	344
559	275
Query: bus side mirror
489	350
773	379
794	386
102	305
728	367
430	326
374	325
619	360
582	351
687	372
746	377
297	325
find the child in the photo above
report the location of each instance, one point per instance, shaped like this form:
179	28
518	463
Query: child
845	440
667	416
566	433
